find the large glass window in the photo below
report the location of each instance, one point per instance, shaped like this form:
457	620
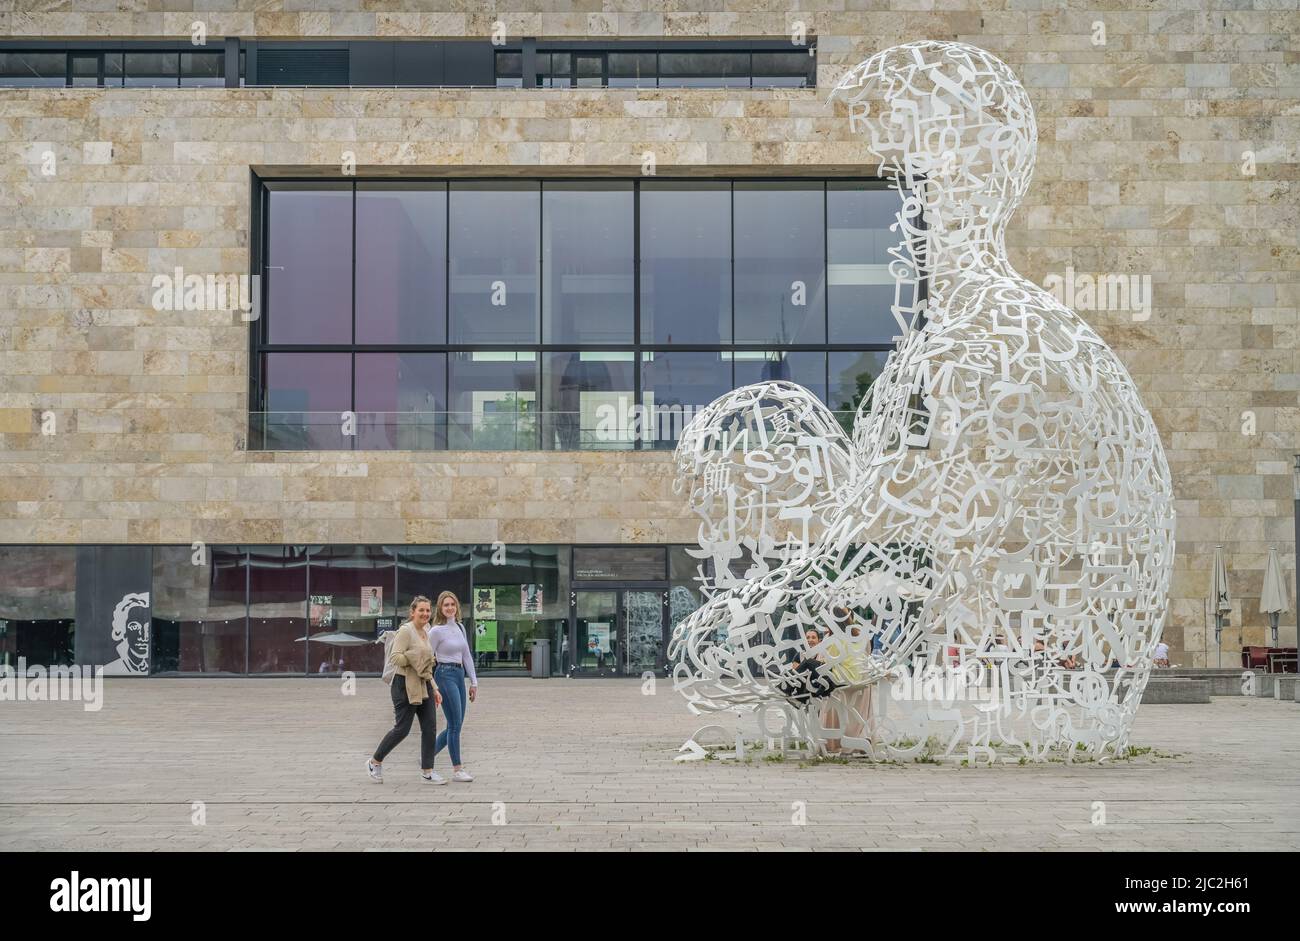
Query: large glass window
675	386
495	262
850	376
401	401
309	263
493	401
277	609
84	70
587	262
557	314
808	369
588	399
401	263
147	69
780	263
38	605
703	70
685	262
860	287
632	70
203	69
307	395
33	69
429	571
521	594
352	592
782	69
199	610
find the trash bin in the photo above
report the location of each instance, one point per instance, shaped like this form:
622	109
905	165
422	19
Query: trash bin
541	658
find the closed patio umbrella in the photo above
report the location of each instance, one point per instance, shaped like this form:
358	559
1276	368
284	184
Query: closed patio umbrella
1220	598
1272	600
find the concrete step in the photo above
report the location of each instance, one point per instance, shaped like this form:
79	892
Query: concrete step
1176	689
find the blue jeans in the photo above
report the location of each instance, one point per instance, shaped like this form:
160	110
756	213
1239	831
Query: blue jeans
450	678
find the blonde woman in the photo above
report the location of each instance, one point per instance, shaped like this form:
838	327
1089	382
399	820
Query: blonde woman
455	660
848	672
415	694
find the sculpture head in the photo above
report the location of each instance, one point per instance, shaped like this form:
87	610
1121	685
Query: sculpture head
952	125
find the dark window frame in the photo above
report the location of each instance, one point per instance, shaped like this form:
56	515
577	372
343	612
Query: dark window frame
258	346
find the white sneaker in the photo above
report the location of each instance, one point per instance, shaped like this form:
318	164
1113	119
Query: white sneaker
433	777
462	775
375	771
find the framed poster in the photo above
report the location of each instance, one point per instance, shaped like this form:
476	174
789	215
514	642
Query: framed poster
530	599
598	639
485	636
372	600
321	612
485	602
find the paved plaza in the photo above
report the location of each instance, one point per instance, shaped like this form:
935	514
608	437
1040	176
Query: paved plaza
587	764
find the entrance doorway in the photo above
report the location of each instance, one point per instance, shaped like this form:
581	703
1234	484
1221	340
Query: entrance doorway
617	631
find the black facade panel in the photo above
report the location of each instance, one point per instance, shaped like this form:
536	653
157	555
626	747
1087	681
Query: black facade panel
371	63
113	608
470	63
302	66
418	63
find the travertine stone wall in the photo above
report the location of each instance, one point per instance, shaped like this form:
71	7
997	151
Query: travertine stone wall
1141	171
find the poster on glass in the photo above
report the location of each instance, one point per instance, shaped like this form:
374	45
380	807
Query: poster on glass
485	602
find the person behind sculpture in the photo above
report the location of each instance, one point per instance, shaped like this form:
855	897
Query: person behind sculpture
811	680
455	660
854	698
414	692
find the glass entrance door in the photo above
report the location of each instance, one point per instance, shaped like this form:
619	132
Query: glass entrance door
617	632
643	631
595	632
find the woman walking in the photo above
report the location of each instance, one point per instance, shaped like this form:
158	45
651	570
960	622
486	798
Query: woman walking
455	661
415	694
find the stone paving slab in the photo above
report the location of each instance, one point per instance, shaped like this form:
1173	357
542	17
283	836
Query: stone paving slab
579	765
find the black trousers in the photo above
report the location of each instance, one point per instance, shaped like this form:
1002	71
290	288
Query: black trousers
404	714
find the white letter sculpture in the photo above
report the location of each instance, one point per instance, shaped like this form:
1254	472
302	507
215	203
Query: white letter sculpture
986	561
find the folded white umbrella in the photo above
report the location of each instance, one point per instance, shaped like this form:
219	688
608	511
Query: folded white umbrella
1220	594
1272	600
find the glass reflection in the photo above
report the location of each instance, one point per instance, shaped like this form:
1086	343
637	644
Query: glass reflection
199	623
351	595
685	262
493	401
38	605
589	401
494	258
587	262
401	263
780	265
277	609
858	240
309	264
674	387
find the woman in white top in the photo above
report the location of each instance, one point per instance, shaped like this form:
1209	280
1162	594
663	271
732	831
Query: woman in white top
455	661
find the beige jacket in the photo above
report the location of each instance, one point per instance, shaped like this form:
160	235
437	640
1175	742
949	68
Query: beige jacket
412	657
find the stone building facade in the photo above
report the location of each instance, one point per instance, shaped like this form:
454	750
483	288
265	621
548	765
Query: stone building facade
1168	152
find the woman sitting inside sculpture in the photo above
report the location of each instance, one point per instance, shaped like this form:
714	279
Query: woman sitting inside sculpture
811	678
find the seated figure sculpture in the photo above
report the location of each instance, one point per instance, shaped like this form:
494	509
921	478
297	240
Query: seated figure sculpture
997	530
